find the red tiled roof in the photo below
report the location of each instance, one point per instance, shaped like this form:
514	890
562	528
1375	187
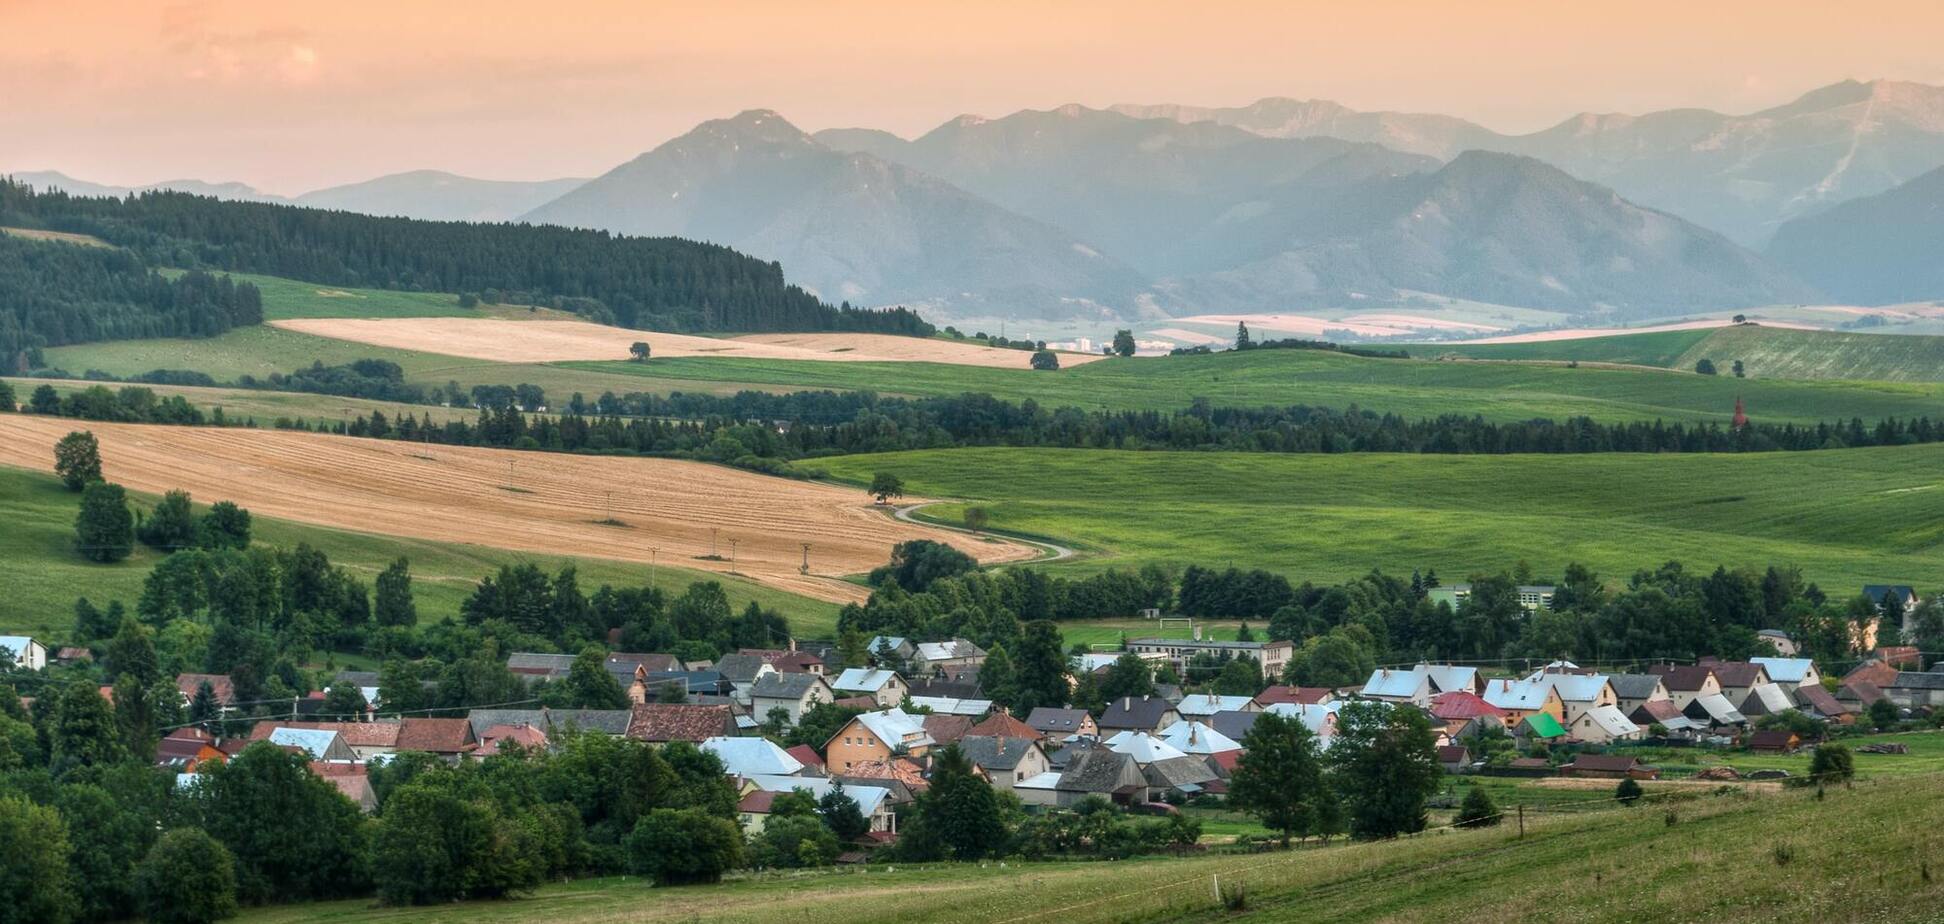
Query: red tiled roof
1736	673
757	802
1863	691
1301	696
1815	697
498	736
225	691
1003	725
1660	710
785	660
946	729
659	722
1876	673
1685	678
805	755
1462	704
1227	760
1453	754
898	768
856	702
437	736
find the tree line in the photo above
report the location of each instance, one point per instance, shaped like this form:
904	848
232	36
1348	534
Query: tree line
640	282
55	293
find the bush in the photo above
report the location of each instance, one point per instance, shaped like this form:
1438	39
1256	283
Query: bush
1478	810
1629	791
1832	763
680	847
187	878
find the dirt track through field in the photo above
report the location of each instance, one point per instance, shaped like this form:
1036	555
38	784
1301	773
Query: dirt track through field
546	503
517	341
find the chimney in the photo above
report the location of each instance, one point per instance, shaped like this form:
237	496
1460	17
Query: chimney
793	644
1198	633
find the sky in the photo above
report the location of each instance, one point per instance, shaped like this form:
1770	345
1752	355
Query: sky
292	95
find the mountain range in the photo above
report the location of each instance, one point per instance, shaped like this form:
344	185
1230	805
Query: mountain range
1143	211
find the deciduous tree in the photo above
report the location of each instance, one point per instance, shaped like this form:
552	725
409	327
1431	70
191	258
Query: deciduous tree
77	459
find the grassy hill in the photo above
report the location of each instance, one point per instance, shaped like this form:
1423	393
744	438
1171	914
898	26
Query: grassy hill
1845	517
42	574
1851	855
1508	391
1766	352
262	406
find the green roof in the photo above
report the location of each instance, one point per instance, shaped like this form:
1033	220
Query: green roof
1544	725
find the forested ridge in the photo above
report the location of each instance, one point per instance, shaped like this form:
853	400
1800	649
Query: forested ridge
648	283
55	293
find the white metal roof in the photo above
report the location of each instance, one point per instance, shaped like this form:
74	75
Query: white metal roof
752	756
1197	738
1397	683
868	798
316	741
1524	695
1144	748
1780	670
1612	721
863	679
947	705
1575	688
1205	704
896	727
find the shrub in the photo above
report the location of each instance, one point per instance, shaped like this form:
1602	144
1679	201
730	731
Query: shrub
1629	791
1832	763
679	847
187	878
1478	810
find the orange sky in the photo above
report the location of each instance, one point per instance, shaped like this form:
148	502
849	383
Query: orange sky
291	94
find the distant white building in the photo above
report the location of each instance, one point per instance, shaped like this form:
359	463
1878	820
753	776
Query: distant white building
26	652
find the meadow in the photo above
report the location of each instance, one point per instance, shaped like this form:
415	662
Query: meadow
1765	352
263	407
1846	517
43	575
1852	854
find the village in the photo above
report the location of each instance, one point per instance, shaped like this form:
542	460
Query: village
783	721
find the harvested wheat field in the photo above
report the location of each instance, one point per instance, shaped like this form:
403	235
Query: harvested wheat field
525	341
539	502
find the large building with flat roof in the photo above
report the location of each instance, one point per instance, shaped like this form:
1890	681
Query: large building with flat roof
1272	657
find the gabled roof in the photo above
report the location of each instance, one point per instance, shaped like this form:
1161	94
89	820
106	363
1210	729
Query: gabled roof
995	753
1786	670
437	736
1813	697
1523	695
502	736
658	722
1453	754
1897	592
1874	672
950	650
896	643
1281	693
1197	738
1684	678
1717	709
1401	684
1918	680
220	684
1766	699
868	798
313	741
1144	748
551	721
1657	710
898	729
1003	725
1185	773
354	734
741	669
1634	686
1236	725
1319	719
863	680
622	664
1862	691
897	771
752	757
1738	673
1050	721
1772	739
1576	688
790	686
1462	704
1207	704
1604	763
1446	678
1543	725
805	755
784	659
539	664
945	728
1612	721
1136	712
1097	770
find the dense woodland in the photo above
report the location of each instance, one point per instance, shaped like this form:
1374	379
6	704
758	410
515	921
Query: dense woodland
648	283
53	294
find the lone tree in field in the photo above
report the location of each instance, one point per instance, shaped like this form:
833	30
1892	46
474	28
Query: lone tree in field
885	485
1046	361
1832	763
1242	341
104	530
976	518
638	350
1280	779
1629	791
1740	372
1478	810
1705	367
1123	343
77	459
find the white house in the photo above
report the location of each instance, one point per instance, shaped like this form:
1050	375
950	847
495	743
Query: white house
793	693
886	687
26	652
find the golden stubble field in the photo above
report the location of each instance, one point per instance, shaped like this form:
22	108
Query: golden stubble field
528	341
549	503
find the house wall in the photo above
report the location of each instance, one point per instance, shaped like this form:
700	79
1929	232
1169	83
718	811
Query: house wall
1033	764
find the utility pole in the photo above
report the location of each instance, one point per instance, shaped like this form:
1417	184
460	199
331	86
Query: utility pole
610	506
653	553
712	544
1522	821
732	555
806	560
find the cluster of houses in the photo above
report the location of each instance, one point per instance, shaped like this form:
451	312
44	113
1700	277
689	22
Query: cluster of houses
919	697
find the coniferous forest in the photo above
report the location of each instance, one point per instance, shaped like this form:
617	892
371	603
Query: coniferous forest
52	294
647	283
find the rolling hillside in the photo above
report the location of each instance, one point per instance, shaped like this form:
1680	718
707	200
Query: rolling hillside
1846	517
1724	857
1766	352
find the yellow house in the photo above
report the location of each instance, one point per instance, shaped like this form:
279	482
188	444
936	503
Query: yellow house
1521	698
878	735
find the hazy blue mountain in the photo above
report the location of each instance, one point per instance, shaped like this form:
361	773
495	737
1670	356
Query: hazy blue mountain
438	196
850	225
51	179
1742	175
1876	250
1494	228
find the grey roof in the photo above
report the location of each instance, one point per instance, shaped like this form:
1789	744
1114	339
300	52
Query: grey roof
785	686
1918	680
996	753
1056	721
740	668
1234	725
533	662
1130	712
605	721
357	678
1634	686
1096	770
1176	772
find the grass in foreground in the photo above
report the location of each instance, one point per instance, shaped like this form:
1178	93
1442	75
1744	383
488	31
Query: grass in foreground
1846	517
1853	855
42	575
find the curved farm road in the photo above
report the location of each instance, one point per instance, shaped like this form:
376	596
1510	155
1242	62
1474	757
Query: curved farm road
670	511
1051	551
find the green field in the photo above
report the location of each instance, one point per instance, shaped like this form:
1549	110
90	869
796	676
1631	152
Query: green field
1766	352
1851	855
1414	388
1846	517
42	575
289	298
262	406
